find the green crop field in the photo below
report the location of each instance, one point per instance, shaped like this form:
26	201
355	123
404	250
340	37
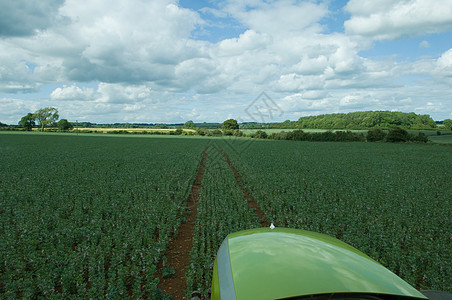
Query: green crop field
92	216
441	139
89	216
391	201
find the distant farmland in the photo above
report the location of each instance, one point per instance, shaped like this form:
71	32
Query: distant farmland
91	216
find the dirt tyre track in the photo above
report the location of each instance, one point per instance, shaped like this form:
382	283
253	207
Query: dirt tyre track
178	253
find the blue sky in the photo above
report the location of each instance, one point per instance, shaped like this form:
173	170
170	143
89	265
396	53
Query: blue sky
172	61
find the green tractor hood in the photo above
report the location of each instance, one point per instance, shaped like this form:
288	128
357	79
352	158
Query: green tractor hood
277	263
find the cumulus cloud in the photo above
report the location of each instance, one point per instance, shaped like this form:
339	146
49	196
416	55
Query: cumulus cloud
382	20
277	17
140	60
71	93
445	61
27	17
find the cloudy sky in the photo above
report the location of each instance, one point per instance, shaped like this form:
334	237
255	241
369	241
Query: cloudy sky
171	61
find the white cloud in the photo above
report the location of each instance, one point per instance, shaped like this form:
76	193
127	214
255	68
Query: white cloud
277	17
72	92
390	19
445	61
137	60
424	44
122	94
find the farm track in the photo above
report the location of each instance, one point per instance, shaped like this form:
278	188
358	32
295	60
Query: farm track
178	252
251	202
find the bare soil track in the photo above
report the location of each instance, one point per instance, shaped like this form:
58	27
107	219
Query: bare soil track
251	202
178	252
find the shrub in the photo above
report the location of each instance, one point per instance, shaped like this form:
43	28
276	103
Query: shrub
296	135
216	132
238	133
228	132
375	135
260	134
421	138
397	135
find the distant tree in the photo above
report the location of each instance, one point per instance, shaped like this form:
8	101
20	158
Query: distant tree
161	126
215	132
448	124
64	125
3	125
421	138
28	121
238	133
201	131
397	135
189	124
228	132
260	134
230	124
375	135
46	116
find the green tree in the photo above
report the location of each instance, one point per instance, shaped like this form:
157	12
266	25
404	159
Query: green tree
230	124
260	134
397	135
189	124
28	121
448	124
64	125
375	135
46	116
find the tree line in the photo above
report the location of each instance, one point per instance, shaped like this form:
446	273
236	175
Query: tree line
356	121
47	116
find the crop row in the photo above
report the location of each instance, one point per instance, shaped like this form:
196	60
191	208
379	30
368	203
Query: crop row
222	209
392	202
89	217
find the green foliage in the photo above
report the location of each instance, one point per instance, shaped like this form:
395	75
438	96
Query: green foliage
189	125
327	136
375	135
64	125
81	211
397	135
366	120
201	131
448	124
391	201
222	209
28	121
260	134
178	131
3	125
161	126
230	124
238	133
228	132
168	272
216	132
420	138
46	116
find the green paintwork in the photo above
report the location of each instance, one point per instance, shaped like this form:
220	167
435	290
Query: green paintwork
277	263
215	293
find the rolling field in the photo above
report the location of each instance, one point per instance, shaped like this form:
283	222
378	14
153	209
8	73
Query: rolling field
95	216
